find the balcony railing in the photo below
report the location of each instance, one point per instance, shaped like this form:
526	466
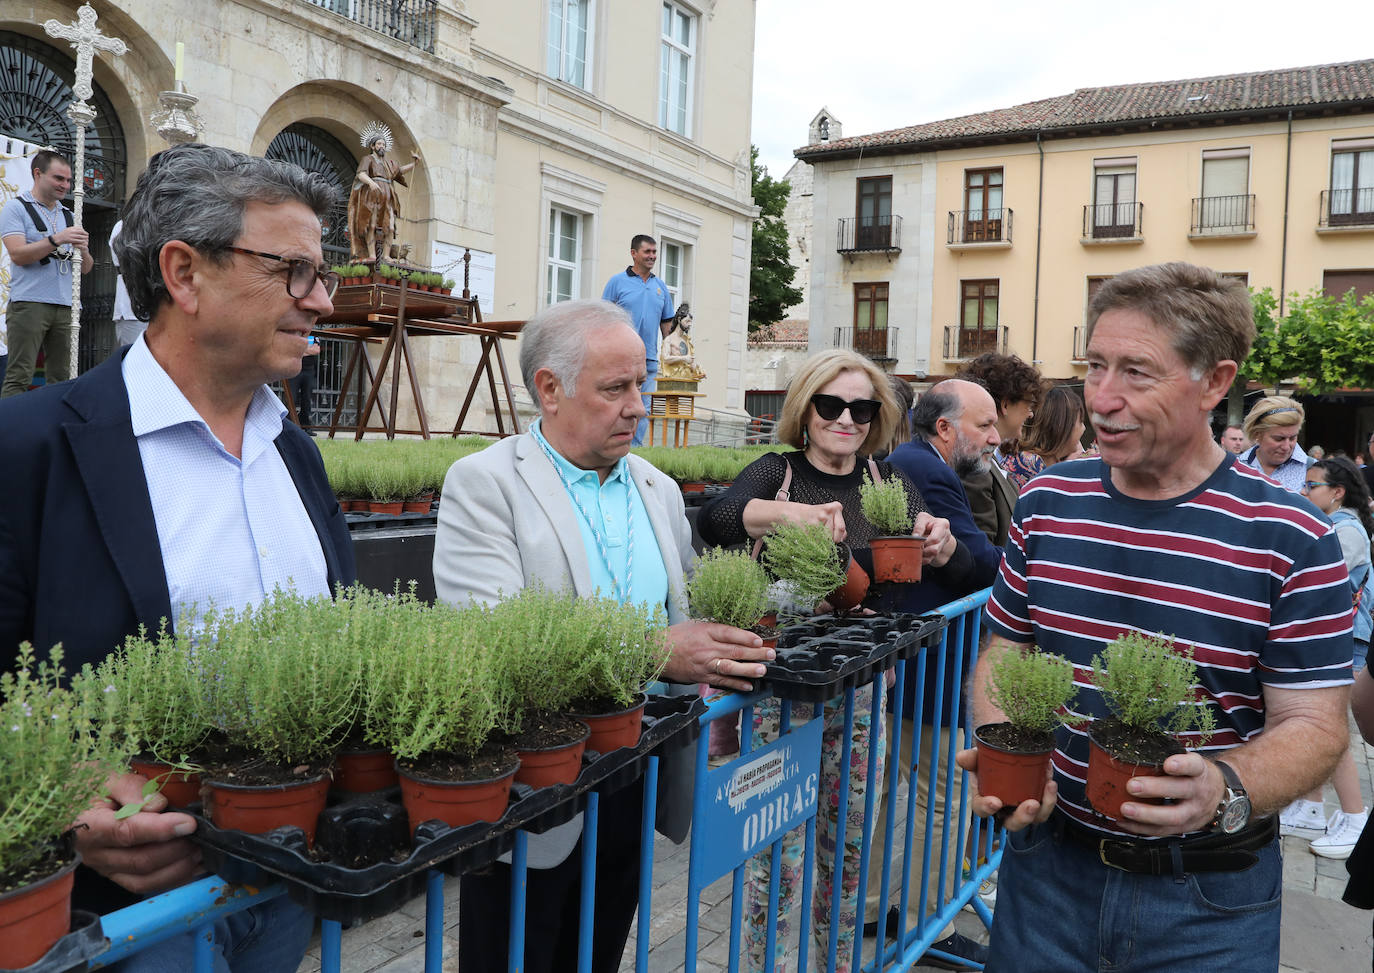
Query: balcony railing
980	226
962	343
1113	221
1347	207
410	21
1223	214
1080	342
869	234
870	342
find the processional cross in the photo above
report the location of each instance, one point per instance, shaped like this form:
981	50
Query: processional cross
87	39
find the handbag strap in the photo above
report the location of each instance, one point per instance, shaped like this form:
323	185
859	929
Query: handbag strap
782	494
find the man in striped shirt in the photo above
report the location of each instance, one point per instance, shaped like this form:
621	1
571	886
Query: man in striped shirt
1166	533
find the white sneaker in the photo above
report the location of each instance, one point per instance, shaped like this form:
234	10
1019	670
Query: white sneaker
1306	819
987	891
1342	831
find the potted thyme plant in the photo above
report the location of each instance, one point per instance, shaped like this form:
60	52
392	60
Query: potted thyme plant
625	650
284	699
814	566
1150	688
731	588
158	711
537	639
896	554
1032	689
53	762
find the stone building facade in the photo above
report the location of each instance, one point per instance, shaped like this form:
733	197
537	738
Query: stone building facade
541	148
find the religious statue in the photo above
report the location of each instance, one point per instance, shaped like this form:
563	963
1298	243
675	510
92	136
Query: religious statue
677	357
374	205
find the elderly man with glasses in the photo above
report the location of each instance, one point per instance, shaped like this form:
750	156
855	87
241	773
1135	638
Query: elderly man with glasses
165	479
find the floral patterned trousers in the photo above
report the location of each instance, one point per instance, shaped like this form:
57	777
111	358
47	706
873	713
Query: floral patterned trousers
865	736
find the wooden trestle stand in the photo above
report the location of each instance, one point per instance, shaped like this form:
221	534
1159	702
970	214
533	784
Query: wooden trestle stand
391	313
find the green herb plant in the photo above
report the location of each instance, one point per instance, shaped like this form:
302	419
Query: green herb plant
54	760
1032	688
1149	686
276	684
728	587
157	697
885	505
806	558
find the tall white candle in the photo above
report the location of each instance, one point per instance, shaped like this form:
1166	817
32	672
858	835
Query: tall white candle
181	51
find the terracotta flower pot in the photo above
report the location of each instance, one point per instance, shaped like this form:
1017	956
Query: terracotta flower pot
259	809
546	766
456	803
386	506
1014	777
1106	780
611	731
364	771
416	506
180	789
897	558
33	917
693	486
852	592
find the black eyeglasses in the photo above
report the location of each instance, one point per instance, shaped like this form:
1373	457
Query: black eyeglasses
829	407
301	274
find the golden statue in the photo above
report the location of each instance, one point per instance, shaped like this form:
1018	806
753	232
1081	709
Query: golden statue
374	205
677	360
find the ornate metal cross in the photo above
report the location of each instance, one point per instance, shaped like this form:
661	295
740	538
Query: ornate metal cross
87	39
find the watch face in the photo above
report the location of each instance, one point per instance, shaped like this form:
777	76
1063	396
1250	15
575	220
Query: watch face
1236	815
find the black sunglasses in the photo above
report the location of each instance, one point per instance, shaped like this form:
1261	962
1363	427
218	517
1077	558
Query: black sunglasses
301	274
829	407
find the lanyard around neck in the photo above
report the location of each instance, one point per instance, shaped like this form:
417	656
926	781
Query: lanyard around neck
620	591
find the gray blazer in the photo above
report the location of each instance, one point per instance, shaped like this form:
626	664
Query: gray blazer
506	521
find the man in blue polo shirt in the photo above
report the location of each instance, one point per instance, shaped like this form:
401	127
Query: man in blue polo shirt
650	305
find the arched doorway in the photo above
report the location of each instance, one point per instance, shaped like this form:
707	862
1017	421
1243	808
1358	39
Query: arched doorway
315	150
35	89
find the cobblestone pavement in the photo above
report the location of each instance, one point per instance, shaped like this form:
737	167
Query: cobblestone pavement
1320	933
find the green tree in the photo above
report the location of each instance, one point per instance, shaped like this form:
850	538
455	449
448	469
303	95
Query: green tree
1322	344
770	272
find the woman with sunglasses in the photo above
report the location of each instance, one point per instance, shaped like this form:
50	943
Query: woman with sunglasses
839	409
1339	491
1273	426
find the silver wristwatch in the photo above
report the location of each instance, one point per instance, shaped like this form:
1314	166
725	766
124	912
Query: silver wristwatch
1233	812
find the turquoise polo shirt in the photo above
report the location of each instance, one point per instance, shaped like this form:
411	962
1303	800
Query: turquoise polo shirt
648	303
619	513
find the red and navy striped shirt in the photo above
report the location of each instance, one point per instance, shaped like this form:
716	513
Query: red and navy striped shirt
1249	576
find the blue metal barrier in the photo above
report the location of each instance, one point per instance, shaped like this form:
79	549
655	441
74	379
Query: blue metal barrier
746	807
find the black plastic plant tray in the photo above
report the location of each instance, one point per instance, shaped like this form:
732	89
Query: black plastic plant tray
365	863
821	658
357	520
74	951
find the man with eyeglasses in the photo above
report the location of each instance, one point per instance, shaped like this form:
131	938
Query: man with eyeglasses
165	479
43	245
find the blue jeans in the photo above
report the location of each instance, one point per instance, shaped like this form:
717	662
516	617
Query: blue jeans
1361	654
1060	909
267	938
650	383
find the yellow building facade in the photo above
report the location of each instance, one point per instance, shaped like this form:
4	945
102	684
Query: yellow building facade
990	232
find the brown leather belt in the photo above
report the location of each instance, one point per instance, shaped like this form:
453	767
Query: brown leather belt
1175	856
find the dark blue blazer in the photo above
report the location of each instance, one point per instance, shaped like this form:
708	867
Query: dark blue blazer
944	495
80	561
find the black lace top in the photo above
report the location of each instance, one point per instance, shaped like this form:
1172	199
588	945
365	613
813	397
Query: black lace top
722	520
